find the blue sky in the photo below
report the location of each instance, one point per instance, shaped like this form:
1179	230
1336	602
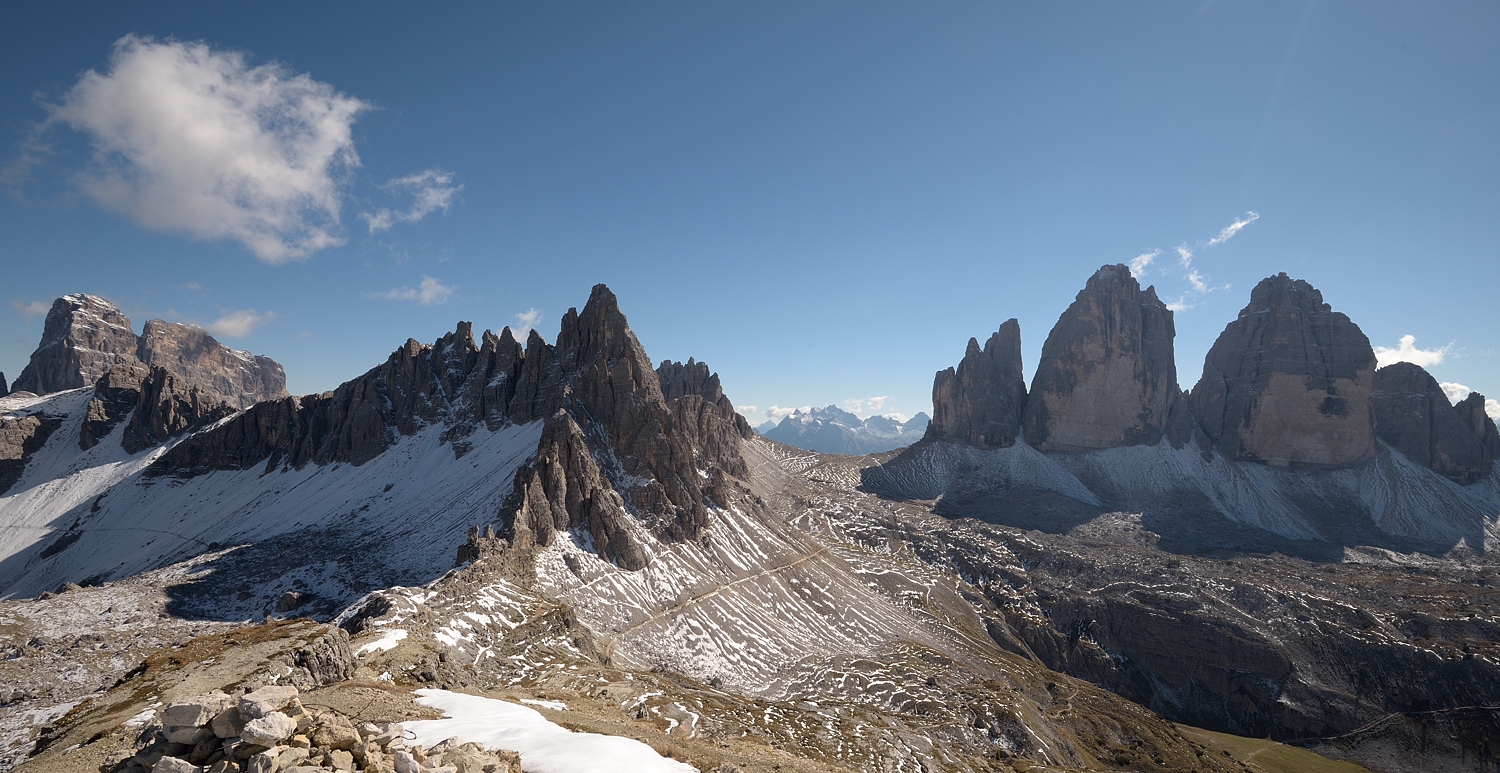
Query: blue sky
824	201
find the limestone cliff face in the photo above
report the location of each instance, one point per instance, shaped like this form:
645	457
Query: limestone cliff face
1288	382
981	402
84	336
224	375
617	456
1107	376
4	387
1470	410
1413	416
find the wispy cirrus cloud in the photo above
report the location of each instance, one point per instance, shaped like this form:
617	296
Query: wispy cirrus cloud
194	140
431	190
1230	230
238	324
1406	351
31	309
1139	263
526	321
430	292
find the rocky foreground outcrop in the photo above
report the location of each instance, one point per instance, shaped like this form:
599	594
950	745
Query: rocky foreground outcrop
1413	416
981	402
85	336
1288	382
1107	377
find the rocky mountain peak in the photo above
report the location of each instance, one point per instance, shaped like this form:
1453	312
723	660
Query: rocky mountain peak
1288	382
1413	416
225	375
83	336
1108	375
1471	412
981	402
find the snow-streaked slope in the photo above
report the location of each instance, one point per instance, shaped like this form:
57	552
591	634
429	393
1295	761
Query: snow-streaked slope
544	746
1389	493
403	512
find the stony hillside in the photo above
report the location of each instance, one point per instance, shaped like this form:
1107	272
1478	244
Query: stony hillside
1035	585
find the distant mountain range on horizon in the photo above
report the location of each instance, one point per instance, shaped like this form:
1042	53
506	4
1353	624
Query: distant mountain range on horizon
833	430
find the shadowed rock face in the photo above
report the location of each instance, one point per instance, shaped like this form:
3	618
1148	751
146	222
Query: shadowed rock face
224	375
160	404
1288	382
83	337
1470	410
1413	416
4	388
981	402
1107	376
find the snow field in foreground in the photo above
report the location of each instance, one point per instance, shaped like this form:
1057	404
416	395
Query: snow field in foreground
544	747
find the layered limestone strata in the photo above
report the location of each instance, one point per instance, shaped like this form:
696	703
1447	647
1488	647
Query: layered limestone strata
1107	376
1288	382
980	403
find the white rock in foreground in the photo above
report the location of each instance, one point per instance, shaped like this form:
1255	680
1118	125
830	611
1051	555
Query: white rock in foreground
544	747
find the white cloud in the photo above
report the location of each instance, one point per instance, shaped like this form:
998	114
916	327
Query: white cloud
196	141
1233	228
901	417
1407	351
31	309
1184	255
431	191
430	292
854	405
238	324
526	321
1139	263
747	409
1180	304
778	413
876	403
1456	392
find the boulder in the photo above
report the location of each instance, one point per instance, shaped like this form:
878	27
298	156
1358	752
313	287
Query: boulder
1288	382
1413	416
227	724
195	712
1107	376
332	731
83	337
174	765
269	729
982	401
259	703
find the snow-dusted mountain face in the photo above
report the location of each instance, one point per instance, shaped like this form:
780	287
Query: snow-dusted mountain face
1291	440
568	520
832	430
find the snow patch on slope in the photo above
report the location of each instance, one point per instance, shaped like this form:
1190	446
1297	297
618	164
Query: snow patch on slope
544	747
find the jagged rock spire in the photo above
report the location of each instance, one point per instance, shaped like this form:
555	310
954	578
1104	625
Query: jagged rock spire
1288	382
1108	376
981	402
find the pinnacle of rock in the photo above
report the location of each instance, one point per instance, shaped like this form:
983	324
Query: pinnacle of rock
1107	376
981	402
1288	382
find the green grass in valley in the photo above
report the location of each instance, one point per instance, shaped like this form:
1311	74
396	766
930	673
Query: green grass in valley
1269	756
